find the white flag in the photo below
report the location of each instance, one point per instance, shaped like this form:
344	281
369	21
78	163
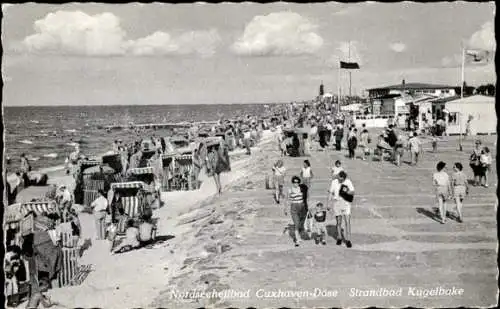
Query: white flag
478	56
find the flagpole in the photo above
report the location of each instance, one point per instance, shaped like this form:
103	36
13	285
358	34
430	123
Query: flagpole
350	70
460	148
338	93
463	72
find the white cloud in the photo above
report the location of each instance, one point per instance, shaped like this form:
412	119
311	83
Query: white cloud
484	38
77	33
397	47
161	43
282	33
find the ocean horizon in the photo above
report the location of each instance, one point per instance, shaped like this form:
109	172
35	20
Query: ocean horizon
47	134
159	104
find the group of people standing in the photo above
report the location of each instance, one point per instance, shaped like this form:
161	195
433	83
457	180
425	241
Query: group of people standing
314	217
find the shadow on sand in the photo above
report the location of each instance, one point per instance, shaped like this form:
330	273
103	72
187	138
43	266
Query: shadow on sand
149	245
433	214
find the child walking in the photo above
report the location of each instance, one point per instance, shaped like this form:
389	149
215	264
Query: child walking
279	171
320	223
442	183
336	169
306	174
460	188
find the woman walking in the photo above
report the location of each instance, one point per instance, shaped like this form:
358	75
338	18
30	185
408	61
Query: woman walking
217	163
306	174
475	164
352	143
460	188
485	161
340	197
279	171
339	134
196	166
296	204
364	140
441	182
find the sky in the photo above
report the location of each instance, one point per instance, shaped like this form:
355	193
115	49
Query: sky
104	54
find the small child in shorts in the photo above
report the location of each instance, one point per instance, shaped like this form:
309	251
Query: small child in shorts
336	169
434	142
320	223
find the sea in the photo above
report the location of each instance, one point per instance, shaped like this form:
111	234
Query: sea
46	134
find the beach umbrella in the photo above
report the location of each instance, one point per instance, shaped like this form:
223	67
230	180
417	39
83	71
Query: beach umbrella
96	169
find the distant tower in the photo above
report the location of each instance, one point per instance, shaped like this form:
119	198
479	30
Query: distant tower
321	89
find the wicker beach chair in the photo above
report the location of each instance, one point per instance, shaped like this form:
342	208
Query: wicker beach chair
132	197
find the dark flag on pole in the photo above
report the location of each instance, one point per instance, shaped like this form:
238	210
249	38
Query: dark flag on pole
349	65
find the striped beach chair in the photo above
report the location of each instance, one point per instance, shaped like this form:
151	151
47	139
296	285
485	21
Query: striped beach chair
91	189
132	196
144	174
70	266
185	164
13	213
168	165
39	207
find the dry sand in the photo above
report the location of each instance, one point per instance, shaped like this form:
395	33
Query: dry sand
136	278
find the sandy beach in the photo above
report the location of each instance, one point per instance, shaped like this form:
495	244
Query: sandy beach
137	278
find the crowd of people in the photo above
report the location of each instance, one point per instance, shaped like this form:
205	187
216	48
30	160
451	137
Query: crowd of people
323	131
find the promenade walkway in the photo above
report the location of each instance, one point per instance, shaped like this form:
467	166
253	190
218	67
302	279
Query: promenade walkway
397	245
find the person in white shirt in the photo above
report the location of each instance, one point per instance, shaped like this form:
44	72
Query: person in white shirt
415	148
306	174
247	140
314	132
64	200
100	207
340	197
441	182
279	172
485	166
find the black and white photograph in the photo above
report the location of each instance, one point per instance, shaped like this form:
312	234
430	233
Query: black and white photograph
243	154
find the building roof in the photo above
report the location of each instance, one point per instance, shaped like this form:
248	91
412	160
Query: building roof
413	86
447	99
475	99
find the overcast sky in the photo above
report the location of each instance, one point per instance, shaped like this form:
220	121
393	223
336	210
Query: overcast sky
232	53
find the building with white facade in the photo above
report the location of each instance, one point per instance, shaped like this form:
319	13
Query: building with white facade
395	99
480	109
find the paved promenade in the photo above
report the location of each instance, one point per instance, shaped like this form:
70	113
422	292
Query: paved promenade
397	245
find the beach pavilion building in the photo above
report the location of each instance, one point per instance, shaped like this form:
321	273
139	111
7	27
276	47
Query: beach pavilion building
396	101
480	109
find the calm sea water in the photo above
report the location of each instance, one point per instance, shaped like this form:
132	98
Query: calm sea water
79	124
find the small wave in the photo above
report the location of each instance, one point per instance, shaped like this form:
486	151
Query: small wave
71	131
50	155
33	158
35	121
41	135
72	144
25	141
